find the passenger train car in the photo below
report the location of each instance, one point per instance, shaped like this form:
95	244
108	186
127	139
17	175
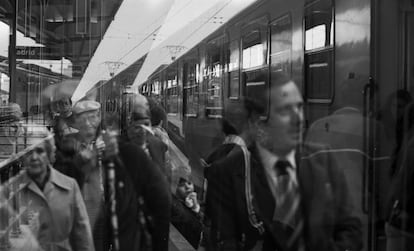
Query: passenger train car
31	81
341	53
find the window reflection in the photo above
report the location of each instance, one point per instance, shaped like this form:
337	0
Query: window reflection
315	37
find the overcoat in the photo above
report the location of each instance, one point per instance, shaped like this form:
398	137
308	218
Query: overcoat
62	217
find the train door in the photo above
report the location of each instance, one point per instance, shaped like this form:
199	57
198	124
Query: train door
337	69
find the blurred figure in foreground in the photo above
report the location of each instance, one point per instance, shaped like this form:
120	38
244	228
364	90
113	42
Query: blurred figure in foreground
236	128
158	116
140	132
400	223
56	200
391	115
344	131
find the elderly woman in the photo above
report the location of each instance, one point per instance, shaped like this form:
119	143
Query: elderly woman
56	199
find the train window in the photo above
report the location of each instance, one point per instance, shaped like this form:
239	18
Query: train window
233	68
253	50
172	91
191	86
257	86
319	53
156	89
214	77
281	45
319	25
255	68
254	45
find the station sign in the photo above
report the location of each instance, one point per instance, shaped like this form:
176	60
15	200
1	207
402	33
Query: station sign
32	52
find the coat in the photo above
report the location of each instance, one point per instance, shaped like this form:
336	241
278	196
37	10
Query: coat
325	203
63	220
400	206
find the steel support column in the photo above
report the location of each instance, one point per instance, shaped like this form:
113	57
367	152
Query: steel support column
12	52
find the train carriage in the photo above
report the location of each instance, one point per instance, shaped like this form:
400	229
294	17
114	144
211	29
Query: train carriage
341	53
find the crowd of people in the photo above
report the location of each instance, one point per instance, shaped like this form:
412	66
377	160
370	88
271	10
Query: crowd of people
269	186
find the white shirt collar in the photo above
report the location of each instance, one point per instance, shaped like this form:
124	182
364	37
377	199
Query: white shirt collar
269	159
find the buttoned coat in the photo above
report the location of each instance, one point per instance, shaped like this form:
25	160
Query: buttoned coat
63	220
325	203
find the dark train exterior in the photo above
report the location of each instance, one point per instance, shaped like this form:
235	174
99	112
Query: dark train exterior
339	52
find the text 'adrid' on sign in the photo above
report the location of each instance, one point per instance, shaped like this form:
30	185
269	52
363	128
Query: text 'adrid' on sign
31	52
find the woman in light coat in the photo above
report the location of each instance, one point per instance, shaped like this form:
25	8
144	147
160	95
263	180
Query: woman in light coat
55	198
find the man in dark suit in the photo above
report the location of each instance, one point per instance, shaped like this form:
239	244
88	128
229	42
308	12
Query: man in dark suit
276	196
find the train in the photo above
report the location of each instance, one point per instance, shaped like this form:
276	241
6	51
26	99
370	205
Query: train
339	52
31	82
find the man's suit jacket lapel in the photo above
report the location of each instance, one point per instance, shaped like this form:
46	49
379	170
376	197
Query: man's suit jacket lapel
263	197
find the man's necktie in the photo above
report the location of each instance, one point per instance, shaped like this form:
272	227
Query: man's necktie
286	214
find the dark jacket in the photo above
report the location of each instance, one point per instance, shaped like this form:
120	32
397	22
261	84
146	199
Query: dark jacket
401	192
220	152
136	176
326	208
157	150
186	221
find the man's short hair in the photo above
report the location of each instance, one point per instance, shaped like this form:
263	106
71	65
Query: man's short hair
228	129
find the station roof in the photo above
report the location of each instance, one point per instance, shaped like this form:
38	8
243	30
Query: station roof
67	28
93	34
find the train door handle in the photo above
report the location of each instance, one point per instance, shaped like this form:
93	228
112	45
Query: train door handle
368	95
